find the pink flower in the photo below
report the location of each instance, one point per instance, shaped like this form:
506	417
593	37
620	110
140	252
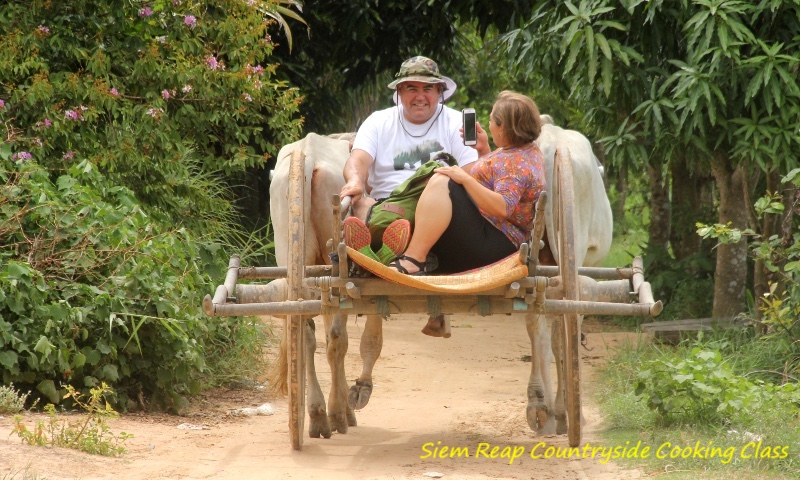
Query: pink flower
21	156
145	12
114	92
165	94
251	2
71	115
186	88
213	64
190	21
68	156
43	29
47	123
154	112
176	2
2	104
248	97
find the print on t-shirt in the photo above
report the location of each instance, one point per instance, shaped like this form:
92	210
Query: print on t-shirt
413	159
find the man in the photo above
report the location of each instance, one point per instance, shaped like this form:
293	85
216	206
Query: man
392	143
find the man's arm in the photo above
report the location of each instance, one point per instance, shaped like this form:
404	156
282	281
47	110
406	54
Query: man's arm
356	173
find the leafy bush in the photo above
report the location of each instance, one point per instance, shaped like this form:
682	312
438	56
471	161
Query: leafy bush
92	291
11	401
702	388
698	388
162	96
123	128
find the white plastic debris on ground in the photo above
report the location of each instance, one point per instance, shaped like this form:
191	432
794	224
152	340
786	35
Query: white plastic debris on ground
189	426
265	409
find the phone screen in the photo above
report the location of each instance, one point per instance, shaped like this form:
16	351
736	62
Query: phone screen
470	132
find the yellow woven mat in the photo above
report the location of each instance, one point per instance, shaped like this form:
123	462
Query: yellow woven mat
492	276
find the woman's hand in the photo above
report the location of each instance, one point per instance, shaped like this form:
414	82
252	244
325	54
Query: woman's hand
456	173
483	141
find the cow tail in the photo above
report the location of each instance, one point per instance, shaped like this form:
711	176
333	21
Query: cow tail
278	374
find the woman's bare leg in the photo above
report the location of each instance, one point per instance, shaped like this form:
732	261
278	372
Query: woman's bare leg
434	211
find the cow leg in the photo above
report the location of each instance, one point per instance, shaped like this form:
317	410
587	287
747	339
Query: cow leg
371	344
339	413
540	394
318	418
558	352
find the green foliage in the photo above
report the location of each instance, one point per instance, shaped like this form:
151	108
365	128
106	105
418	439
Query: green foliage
11	401
702	77
358	46
92	290
769	412
122	127
90	434
162	96
699	388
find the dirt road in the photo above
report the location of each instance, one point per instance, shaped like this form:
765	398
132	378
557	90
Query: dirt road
466	392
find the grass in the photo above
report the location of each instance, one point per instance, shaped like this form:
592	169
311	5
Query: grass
27	474
731	440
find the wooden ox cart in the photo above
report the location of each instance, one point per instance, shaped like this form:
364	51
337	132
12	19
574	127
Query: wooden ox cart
564	291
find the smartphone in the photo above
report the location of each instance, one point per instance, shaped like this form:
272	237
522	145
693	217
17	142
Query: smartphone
470	129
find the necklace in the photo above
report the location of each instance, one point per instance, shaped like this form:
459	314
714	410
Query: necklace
400	118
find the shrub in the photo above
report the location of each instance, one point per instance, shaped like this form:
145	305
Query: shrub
11	401
92	291
122	126
160	103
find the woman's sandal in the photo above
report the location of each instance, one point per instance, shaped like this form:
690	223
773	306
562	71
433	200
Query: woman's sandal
427	267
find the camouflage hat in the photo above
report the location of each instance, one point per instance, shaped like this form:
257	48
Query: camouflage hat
423	69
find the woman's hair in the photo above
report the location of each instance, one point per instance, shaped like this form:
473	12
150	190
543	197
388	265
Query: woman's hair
519	117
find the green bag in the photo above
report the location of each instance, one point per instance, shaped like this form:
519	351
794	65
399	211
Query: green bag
402	202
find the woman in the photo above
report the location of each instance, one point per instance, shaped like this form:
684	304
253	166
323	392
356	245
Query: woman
470	220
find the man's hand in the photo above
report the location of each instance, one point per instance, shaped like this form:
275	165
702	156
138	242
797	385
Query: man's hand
355	174
353	188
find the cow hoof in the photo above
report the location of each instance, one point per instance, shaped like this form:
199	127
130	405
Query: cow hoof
538	420
351	418
338	422
359	394
318	425
561	424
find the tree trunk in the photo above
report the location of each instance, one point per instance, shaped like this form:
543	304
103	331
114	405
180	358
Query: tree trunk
731	270
688	208
659	209
770	225
618	207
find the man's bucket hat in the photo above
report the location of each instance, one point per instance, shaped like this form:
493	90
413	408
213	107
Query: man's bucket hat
422	69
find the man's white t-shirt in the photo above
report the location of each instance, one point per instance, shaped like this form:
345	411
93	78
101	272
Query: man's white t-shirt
400	148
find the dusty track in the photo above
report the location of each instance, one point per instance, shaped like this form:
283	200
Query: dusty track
462	392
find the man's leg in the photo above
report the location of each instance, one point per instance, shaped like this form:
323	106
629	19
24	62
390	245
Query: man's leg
361	208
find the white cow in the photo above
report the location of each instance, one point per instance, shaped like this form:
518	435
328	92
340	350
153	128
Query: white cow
325	158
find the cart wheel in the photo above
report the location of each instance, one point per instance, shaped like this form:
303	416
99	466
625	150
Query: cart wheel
295	323
569	279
